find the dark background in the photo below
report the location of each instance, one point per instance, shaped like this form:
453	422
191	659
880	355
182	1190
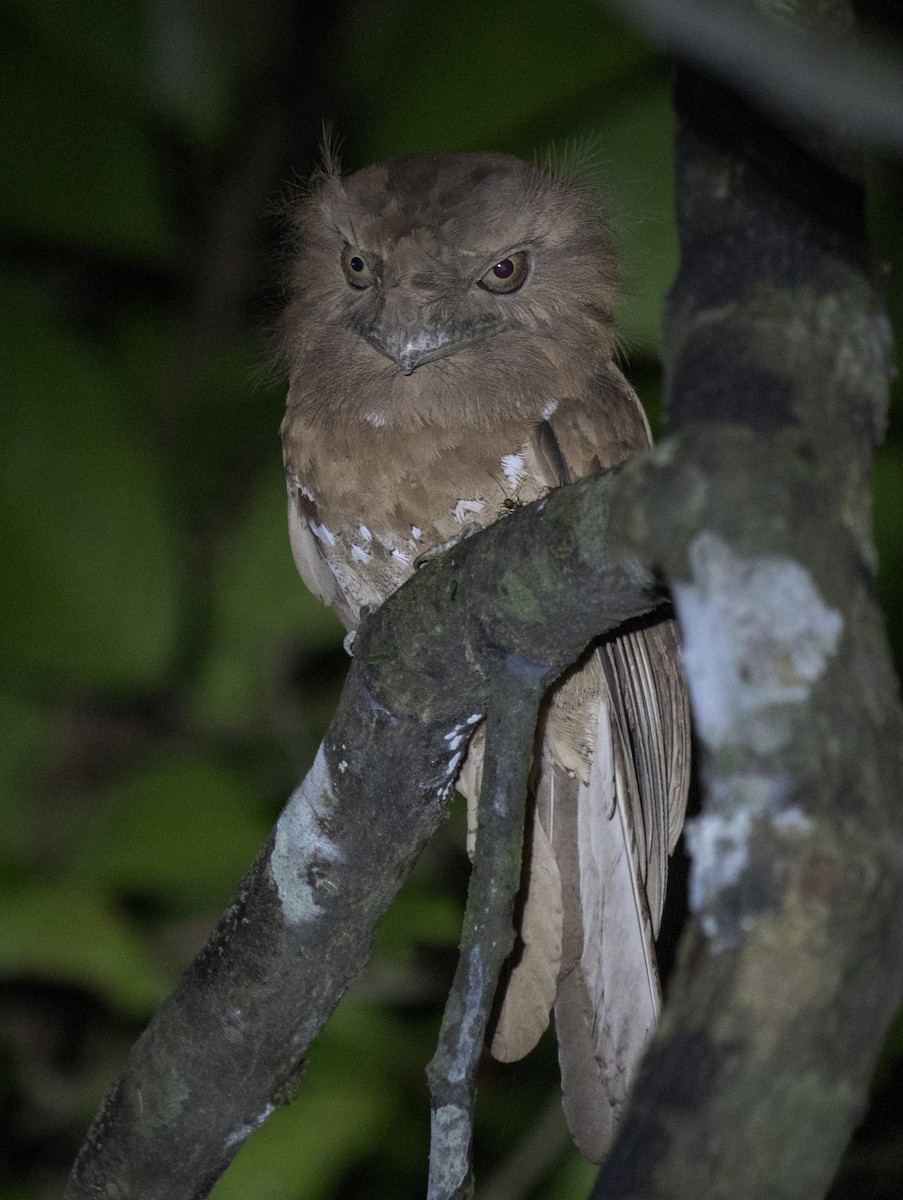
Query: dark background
164	677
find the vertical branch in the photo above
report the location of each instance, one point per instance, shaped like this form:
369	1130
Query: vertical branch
777	357
488	931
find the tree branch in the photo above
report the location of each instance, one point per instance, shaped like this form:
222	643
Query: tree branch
229	1044
778	359
516	690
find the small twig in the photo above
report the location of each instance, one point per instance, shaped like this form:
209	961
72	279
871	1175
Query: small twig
488	931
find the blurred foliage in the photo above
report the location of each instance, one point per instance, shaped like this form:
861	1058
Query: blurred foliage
164	677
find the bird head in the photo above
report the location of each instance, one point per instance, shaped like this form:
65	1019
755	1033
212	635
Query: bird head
433	285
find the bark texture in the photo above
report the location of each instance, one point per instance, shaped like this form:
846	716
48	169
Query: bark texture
778	358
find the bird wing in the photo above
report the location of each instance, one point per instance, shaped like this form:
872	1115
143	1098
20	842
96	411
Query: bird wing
610	794
613	823
312	565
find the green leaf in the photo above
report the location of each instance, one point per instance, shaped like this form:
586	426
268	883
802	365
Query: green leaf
634	147
418	916
181	829
574	1176
301	1152
65	937
347	1105
262	612
91	585
101	39
27	729
430	83
78	165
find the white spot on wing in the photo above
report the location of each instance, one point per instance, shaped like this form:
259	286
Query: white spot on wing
513	466
416	533
464	508
365	533
358	554
376	419
549	408
401	557
320	531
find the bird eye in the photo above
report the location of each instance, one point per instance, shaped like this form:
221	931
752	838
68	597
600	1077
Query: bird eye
356	269
508	274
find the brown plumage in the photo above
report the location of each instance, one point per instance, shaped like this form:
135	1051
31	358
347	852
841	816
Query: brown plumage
450	340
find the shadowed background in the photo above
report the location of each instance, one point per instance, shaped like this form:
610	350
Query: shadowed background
164	677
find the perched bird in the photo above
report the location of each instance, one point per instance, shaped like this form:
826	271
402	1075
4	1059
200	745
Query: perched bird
450	342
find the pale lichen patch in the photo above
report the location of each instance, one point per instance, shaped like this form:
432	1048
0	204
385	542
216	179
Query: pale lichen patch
757	635
301	844
720	843
719	847
450	1134
237	1136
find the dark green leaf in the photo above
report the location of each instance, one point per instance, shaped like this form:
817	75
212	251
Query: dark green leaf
461	76
262	612
66	937
182	829
90	586
78	166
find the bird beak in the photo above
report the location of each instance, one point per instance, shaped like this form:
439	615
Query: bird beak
411	348
415	345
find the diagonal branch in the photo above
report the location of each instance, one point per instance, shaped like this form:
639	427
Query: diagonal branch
229	1044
